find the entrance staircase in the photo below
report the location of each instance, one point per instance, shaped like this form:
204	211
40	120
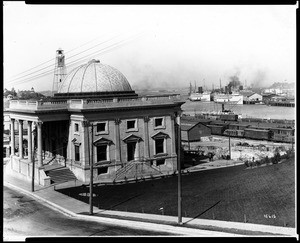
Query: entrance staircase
134	169
59	173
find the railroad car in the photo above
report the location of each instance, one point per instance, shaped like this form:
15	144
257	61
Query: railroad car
217	129
234	133
283	134
260	134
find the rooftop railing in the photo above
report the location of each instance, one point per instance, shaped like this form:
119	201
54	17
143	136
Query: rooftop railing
37	105
92	103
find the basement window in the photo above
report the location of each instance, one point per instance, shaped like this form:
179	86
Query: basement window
160	162
102	170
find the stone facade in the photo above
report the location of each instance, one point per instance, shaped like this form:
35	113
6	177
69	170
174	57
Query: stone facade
128	141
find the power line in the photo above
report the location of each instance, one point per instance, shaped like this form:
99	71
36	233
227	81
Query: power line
14	80
112	46
50	60
102	51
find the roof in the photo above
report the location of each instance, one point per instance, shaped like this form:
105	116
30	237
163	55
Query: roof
246	93
186	124
94	77
185	127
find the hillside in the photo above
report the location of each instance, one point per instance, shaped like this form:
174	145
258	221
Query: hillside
264	195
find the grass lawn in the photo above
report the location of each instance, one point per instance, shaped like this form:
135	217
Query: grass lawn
263	195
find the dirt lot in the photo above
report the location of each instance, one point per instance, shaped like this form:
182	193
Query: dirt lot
219	145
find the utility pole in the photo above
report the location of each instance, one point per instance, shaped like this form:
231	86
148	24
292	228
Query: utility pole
229	148
33	165
92	170
179	170
90	156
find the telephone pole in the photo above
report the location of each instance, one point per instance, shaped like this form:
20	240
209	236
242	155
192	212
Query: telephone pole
91	159
179	170
92	170
33	165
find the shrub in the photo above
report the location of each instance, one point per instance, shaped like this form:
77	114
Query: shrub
267	161
276	158
246	163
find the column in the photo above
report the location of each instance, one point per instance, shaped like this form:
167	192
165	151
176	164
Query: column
29	141
137	156
39	144
12	127
146	137
173	140
117	138
21	139
107	152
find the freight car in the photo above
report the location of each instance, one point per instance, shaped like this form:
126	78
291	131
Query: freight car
217	129
260	134
234	133
286	135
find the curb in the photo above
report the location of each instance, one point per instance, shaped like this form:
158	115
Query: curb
175	230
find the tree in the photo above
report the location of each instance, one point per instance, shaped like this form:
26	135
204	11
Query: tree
276	157
8	92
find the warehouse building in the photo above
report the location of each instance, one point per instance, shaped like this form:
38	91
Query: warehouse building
192	131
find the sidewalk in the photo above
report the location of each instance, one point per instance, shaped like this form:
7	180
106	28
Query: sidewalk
190	226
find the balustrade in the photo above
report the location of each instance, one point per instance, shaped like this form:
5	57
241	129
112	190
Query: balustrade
81	104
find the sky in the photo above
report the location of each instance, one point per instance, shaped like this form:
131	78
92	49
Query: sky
154	46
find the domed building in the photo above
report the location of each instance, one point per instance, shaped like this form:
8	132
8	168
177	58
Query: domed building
95	79
96	117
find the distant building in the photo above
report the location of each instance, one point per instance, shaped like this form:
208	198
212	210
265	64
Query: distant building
273	91
95	117
250	97
266	98
200	96
192	131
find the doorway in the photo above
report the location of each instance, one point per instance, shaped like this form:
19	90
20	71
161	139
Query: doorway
131	151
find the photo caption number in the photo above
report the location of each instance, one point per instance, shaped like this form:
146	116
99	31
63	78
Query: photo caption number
270	216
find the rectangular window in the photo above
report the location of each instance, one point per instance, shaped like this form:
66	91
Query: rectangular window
131	124
77	153
160	162
101	127
159	145
76	127
101	152
158	122
102	170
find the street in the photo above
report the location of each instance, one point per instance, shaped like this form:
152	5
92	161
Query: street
23	216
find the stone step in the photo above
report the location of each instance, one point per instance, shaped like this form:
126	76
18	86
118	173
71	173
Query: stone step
61	174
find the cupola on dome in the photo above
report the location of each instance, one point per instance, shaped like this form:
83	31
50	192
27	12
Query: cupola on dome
94	77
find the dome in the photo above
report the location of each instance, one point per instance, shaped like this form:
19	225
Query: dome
94	77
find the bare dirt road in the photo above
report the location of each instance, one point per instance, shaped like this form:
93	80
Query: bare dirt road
23	216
